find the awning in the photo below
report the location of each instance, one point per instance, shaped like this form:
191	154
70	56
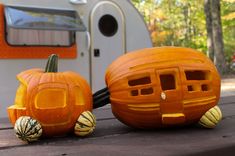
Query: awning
43	19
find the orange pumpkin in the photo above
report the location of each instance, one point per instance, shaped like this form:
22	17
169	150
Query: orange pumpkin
54	99
160	87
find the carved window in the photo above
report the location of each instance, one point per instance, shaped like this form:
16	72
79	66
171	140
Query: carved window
167	82
141	85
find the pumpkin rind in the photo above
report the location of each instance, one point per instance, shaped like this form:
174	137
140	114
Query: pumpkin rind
27	129
55	99
142	94
85	124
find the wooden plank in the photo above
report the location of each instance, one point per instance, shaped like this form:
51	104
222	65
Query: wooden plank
104	128
227	100
105	120
176	141
114	138
101	114
8	139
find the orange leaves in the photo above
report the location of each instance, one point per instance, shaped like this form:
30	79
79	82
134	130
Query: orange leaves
230	16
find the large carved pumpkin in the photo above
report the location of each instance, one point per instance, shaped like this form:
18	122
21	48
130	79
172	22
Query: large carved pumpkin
161	87
54	99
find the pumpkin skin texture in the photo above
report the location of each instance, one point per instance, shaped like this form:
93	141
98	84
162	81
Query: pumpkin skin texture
27	129
54	99
160	87
85	124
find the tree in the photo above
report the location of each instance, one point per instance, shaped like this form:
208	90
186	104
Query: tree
210	45
182	23
228	22
214	24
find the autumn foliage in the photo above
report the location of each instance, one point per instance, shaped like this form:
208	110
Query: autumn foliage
182	23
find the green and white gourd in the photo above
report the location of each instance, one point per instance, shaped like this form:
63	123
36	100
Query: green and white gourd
27	129
211	118
85	124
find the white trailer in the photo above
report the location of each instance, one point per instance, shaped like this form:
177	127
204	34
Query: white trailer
107	29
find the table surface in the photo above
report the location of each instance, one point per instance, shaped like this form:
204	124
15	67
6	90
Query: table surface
111	137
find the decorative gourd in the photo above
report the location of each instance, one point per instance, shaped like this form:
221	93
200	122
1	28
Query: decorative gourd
160	87
211	117
27	129
85	124
54	99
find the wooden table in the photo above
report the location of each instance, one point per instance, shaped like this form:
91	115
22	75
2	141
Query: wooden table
114	138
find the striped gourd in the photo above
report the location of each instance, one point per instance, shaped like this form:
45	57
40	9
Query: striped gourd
211	118
27	129
85	124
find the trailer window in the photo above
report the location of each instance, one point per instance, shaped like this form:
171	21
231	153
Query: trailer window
79	97
140	81
140	85
196	75
146	91
58	96
190	88
205	87
134	93
167	82
198	80
108	25
41	27
20	95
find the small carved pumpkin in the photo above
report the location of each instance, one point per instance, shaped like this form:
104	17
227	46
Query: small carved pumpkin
160	87
54	99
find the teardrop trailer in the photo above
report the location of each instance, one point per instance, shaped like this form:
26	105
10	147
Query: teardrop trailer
159	87
87	35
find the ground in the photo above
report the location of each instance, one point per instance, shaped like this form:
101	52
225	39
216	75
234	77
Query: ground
114	138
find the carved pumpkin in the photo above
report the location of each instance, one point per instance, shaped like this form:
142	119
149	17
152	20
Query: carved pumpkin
160	87
54	99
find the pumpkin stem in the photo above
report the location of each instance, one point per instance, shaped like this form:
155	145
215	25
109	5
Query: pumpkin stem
52	64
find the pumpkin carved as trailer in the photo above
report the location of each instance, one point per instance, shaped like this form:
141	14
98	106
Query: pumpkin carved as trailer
161	87
51	103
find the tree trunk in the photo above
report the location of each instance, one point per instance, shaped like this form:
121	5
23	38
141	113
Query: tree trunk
210	46
187	20
219	58
214	33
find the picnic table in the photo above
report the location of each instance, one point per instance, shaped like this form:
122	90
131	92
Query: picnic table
111	137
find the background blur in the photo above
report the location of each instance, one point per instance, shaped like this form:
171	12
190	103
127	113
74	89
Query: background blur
183	23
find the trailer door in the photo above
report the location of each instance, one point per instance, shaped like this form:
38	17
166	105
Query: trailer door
107	28
171	106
